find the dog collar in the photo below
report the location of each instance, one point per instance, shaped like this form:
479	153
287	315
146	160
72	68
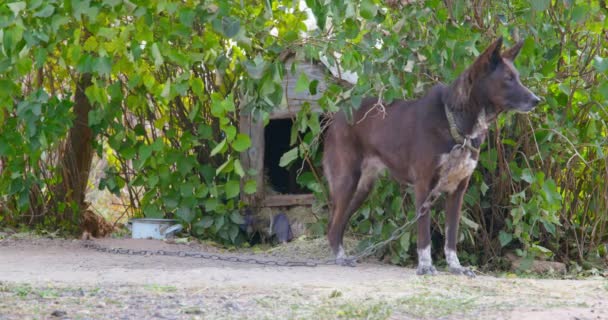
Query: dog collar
461	141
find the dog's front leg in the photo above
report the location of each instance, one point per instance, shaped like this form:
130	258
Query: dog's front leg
423	206
452	211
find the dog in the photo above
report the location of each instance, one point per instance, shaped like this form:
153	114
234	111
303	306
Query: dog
431	144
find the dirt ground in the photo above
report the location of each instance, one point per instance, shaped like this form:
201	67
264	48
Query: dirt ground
60	279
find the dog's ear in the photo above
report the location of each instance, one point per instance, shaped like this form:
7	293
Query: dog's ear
487	61
512	52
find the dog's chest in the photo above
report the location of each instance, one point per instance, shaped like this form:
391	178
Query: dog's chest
454	167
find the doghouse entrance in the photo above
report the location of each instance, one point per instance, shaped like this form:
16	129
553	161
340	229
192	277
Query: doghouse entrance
282	180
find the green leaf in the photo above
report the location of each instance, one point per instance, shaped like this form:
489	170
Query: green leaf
504	238
550	227
580	13
103	66
368	9
12	36
312	88
230	26
302	83
489	159
145	152
351	28
550	193
236	217
527	176
83	7
198	87
238	168
205	222
603	89
152	211
218	148
541	250
250	187
256	68
230	132
288	157
16	7
158	57
219	222
241	143
171	200
226	104
484	188
232	188
600	64
185	214
234	232
225	167
186	189
469	223
45	12
540	5
211	204
404	241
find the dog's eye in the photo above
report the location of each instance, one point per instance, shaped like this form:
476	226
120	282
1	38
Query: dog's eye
509	78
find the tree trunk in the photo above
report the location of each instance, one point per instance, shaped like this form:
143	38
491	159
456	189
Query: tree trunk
76	158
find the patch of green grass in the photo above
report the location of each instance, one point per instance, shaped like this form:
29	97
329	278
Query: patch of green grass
48	293
335	294
95	291
263	302
160	289
435	305
112	301
354	310
192	311
22	290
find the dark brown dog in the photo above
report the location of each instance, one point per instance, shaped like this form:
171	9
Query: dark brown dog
431	143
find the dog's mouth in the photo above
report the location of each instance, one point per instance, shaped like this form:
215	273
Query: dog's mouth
525	107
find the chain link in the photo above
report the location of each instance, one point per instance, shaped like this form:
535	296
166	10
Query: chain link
311	263
206	256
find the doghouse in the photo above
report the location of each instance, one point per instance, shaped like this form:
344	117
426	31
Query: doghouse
276	186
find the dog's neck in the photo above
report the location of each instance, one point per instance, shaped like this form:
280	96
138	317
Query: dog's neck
468	115
460	124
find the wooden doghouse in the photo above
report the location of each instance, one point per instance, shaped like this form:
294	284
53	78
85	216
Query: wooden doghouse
269	143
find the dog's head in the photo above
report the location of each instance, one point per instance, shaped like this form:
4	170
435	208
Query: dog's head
495	81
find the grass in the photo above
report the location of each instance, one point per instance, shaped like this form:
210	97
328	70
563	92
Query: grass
435	305
160	289
427	297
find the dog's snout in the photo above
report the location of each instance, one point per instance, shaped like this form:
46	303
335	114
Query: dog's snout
535	100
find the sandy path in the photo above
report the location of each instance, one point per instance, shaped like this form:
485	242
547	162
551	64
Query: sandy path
79	279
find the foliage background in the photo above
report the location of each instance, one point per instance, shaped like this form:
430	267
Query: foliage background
165	83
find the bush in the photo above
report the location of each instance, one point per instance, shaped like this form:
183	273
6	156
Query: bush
170	79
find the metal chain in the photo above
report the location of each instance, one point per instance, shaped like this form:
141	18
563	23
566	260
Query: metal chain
428	202
202	255
311	263
380	244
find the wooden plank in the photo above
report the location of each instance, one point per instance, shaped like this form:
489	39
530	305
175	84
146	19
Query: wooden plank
285	200
312	71
245	128
253	158
256	155
291	112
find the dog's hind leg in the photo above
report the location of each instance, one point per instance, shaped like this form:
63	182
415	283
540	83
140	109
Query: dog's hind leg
369	172
452	212
341	193
342	169
423	207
